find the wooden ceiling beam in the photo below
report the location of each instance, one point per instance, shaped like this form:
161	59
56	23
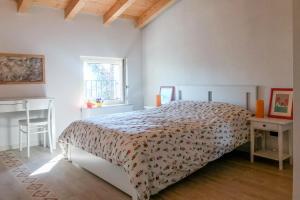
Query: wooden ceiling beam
153	12
116	10
73	8
24	5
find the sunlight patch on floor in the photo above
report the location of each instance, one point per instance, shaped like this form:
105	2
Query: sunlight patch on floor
48	166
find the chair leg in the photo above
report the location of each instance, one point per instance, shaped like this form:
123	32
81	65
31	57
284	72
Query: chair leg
50	138
20	139
44	134
28	144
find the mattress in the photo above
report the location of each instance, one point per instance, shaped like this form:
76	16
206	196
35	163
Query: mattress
160	146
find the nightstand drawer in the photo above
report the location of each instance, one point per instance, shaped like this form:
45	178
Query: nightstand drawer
265	126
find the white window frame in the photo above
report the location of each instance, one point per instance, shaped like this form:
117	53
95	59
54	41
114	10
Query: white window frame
118	61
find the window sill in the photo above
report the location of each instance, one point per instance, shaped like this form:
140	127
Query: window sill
105	110
107	106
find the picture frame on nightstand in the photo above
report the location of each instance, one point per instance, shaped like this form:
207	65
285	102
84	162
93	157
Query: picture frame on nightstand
167	94
281	103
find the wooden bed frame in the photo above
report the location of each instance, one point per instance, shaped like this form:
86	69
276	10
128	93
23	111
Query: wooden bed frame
241	95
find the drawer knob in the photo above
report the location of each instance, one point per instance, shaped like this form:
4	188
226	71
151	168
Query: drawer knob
264	125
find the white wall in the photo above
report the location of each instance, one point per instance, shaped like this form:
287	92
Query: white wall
297	100
220	42
44	31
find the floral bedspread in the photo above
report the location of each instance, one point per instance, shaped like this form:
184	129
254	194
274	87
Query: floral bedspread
161	146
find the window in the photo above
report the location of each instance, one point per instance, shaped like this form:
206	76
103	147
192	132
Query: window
104	78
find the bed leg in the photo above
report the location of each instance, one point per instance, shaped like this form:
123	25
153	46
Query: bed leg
69	153
135	197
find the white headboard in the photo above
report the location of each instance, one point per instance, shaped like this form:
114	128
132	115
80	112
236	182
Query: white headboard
245	96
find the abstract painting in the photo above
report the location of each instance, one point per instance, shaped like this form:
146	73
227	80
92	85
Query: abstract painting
281	103
21	68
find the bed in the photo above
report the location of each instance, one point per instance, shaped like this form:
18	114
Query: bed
143	152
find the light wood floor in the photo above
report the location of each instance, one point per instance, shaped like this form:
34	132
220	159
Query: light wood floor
232	177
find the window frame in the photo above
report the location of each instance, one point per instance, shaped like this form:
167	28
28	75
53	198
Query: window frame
119	61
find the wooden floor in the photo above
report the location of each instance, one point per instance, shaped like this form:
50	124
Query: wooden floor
232	177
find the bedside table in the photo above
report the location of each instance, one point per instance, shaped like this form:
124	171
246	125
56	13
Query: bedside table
276	125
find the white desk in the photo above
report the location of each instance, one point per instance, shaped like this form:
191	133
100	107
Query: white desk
36	103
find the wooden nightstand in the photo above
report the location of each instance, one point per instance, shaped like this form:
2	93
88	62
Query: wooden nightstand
275	125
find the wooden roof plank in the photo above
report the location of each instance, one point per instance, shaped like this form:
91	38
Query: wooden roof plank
153	12
24	5
73	8
116	10
141	11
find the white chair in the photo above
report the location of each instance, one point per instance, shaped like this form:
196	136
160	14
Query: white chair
31	126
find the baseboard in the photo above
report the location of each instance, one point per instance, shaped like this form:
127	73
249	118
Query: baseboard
16	146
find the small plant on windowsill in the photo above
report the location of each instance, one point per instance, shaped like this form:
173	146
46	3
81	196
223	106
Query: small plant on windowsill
99	102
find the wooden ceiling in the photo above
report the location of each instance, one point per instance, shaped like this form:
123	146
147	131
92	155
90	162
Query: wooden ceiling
141	11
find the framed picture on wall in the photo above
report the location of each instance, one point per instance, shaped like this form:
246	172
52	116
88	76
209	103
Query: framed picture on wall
21	68
281	103
167	94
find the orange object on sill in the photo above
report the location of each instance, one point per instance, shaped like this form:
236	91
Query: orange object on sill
260	108
90	104
158	100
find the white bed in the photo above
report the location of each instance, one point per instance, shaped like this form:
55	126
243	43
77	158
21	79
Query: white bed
244	96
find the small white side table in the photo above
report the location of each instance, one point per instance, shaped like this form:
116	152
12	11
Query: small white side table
276	125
